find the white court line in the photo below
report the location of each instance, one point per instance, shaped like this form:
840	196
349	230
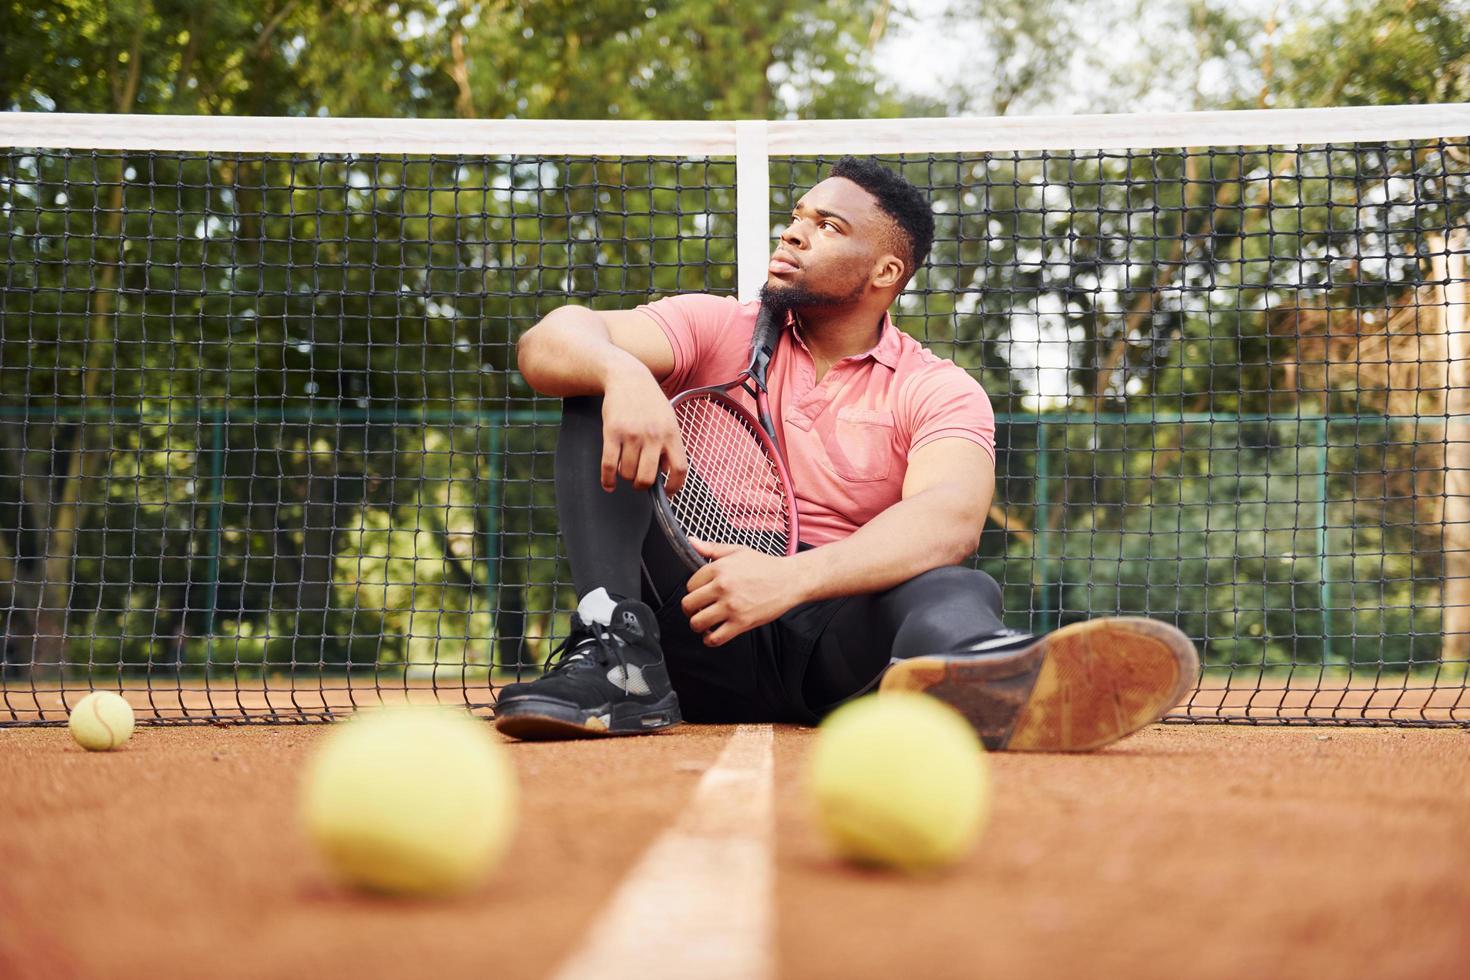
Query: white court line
700	902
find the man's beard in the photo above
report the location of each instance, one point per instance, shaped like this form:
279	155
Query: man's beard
782	299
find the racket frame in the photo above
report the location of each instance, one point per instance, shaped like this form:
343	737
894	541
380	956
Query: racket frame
753	381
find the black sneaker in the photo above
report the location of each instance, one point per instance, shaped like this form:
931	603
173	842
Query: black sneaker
1071	690
603	680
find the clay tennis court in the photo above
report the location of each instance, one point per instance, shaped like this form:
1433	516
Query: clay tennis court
293	472
1201	851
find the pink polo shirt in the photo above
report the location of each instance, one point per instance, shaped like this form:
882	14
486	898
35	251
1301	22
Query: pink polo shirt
847	439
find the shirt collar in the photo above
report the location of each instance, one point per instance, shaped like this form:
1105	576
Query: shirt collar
889	345
886	352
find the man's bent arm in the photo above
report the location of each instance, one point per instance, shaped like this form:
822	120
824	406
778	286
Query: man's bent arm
946	495
621	355
575	351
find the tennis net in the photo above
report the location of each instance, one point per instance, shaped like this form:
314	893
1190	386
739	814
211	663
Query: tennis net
266	456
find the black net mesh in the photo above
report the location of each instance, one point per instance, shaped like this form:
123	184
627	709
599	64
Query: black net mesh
1225	382
265	455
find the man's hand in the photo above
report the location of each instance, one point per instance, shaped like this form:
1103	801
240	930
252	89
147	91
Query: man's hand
640	436
738	590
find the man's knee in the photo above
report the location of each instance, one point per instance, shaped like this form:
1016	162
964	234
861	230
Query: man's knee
944	608
958	582
581	408
580	434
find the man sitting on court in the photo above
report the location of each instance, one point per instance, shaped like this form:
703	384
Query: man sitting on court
891	451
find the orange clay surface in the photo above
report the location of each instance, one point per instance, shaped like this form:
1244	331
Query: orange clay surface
1182	852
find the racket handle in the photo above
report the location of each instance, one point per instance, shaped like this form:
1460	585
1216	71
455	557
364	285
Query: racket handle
763	345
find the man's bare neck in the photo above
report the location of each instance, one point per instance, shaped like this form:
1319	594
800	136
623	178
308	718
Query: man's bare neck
832	338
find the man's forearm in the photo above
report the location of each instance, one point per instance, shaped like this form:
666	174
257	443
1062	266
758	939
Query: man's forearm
938	527
570	352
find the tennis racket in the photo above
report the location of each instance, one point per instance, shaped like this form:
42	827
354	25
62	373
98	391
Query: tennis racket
737	489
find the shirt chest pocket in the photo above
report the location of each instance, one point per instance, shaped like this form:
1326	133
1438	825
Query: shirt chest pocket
860	447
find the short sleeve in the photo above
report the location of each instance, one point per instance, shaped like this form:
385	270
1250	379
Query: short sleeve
945	402
695	324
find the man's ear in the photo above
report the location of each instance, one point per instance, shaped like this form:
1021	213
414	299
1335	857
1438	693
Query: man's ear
887	271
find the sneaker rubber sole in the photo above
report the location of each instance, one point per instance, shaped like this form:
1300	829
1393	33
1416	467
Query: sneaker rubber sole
533	718
1075	689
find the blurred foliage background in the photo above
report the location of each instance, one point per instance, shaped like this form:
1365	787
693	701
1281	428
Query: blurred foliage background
262	409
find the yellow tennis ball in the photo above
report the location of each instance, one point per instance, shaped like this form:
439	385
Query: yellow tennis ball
899	780
411	800
101	721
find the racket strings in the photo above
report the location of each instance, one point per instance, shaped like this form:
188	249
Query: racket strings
734	492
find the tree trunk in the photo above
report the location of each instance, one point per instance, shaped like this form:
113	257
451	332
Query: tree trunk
459	68
1448	264
509	649
18	595
330	499
513	651
318	551
41	593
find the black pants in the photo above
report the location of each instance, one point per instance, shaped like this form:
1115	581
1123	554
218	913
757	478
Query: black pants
794	669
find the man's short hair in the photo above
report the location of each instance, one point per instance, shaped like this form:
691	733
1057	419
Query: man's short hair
897	198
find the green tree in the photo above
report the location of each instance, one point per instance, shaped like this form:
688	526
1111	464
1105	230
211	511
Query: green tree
1372	52
296	370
